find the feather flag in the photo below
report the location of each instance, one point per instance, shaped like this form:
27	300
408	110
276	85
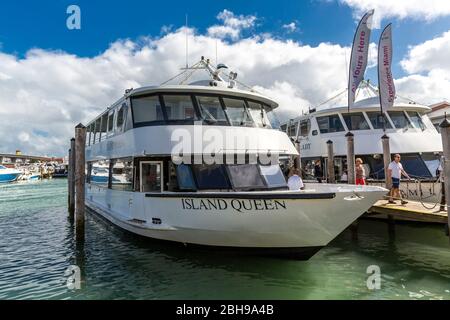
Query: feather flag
358	59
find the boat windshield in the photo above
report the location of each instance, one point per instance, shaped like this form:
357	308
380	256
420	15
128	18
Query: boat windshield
259	115
211	110
400	120
237	112
416	120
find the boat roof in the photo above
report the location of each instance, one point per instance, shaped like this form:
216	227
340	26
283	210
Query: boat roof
372	104
206	88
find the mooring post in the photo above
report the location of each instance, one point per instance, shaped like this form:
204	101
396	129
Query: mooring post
330	164
298	161
80	144
350	157
445	135
386	159
71	179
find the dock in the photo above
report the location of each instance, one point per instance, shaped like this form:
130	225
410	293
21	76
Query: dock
412	211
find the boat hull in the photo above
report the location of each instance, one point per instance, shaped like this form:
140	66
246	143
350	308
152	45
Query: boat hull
296	224
9	177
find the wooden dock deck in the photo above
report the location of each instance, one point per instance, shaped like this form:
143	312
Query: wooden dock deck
412	211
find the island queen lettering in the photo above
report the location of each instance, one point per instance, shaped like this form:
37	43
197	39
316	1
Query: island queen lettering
237	205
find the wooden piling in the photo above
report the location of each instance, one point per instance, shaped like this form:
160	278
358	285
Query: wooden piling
80	180
350	157
298	161
71	179
386	159
445	135
330	164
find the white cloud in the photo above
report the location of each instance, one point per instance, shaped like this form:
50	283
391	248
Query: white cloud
428	69
417	9
232	25
290	27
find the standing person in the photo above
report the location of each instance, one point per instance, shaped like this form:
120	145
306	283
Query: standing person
360	172
395	171
295	182
318	173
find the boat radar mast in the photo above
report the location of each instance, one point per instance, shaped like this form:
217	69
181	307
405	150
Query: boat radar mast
218	75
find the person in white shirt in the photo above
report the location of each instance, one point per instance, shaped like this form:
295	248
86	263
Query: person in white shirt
395	171
294	181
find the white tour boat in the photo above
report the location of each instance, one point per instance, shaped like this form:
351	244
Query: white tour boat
236	204
410	132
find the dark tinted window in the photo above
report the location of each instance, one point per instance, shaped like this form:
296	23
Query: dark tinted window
211	110
329	124
185	178
179	107
355	121
147	109
111	121
399	119
211	177
237	112
416	120
273	176
245	176
377	120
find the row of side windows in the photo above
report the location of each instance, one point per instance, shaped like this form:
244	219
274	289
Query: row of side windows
106	125
358	121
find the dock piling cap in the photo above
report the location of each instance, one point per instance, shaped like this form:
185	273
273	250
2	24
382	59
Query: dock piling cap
445	123
349	134
385	136
80	126
329	142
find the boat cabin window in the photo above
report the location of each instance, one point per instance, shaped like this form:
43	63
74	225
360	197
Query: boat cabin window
122	175
185	178
237	112
292	132
273	176
330	124
179	107
245	177
305	126
379	121
416	120
258	114
355	121
99	174
104	127
147	109
110	122
283	127
400	120
121	118
151	176
211	177
211	110
88	135
98	123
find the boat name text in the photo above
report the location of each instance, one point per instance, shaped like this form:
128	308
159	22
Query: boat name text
239	205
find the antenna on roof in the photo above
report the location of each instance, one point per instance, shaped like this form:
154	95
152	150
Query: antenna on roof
187	48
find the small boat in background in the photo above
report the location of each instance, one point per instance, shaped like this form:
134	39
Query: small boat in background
8	175
61	171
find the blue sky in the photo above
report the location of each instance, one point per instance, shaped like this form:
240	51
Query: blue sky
30	24
52	78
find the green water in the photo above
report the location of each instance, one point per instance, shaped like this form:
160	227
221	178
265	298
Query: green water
37	246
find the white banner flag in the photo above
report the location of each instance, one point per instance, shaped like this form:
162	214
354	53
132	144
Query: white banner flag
358	59
385	81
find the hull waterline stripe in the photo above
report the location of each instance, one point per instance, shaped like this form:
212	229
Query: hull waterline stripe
302	196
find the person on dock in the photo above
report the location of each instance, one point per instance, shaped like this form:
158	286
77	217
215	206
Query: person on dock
295	182
360	172
395	171
318	173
